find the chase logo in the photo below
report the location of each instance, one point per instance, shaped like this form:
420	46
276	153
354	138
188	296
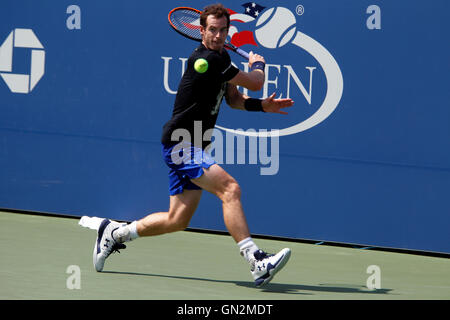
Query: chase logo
19	82
276	28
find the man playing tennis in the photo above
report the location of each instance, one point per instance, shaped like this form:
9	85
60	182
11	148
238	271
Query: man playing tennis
197	102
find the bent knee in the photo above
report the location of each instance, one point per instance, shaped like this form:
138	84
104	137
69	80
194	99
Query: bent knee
180	225
177	223
232	192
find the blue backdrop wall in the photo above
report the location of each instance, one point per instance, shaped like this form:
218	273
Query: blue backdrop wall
363	156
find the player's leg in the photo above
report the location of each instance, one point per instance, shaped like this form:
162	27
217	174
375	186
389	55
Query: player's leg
263	266
181	210
111	235
218	182
184	200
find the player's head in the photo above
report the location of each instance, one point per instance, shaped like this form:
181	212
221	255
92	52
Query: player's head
214	25
217	10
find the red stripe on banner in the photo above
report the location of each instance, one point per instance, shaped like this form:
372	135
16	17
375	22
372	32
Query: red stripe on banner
243	37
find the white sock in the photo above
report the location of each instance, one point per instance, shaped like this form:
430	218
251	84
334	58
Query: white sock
126	233
247	247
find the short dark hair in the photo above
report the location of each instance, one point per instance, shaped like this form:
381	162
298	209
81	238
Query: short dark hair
217	10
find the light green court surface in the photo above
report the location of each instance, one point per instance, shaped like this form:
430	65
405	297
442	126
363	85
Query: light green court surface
37	251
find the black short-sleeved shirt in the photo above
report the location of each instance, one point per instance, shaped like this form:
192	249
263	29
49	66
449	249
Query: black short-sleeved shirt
200	94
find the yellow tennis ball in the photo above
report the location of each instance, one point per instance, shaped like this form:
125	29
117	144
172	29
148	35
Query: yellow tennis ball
201	65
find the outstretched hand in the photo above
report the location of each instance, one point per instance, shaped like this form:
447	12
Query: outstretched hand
270	104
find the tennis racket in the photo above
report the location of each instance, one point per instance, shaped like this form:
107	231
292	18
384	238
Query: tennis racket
186	21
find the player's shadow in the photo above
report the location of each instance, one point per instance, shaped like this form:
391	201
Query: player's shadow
274	286
295	288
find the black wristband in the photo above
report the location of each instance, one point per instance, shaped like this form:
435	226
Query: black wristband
258	65
252	104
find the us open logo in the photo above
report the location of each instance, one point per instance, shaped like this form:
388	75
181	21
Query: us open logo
22	38
298	67
276	28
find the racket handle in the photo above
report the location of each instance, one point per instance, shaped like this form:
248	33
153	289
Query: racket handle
242	53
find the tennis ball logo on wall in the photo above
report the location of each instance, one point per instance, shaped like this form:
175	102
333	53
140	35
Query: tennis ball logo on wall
22	38
276	28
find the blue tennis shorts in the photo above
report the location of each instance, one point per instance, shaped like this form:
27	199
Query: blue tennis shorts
186	162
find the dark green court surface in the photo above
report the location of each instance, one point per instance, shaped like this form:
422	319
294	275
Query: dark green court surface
51	258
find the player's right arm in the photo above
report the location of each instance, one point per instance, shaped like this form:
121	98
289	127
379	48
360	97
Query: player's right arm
253	80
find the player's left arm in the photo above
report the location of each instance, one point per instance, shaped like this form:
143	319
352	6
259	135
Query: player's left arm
237	100
234	98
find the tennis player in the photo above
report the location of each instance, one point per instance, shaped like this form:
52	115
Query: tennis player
198	101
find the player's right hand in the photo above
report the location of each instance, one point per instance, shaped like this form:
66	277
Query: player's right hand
253	57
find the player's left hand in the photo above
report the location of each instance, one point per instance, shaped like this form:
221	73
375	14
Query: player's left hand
270	104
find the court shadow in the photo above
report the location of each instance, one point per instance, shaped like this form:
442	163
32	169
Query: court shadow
239	283
295	288
273	286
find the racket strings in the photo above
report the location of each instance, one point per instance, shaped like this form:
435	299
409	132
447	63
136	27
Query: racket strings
186	22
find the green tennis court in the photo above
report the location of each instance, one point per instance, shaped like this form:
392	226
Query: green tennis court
46	257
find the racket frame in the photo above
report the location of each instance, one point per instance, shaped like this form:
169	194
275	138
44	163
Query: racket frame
227	44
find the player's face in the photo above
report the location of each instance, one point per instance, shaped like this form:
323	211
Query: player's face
215	33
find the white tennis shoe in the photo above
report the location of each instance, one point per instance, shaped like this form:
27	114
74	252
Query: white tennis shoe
265	266
105	243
